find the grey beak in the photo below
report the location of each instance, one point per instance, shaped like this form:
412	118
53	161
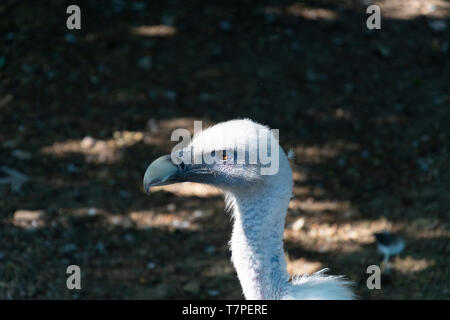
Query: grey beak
160	172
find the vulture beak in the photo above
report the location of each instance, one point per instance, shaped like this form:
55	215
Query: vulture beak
161	172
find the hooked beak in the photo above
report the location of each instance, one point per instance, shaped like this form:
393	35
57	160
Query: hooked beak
161	172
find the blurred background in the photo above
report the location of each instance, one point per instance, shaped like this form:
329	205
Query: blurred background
84	112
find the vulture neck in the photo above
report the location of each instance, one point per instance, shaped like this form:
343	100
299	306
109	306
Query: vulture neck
257	239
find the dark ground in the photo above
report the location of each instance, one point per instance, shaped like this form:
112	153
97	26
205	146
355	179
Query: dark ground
84	112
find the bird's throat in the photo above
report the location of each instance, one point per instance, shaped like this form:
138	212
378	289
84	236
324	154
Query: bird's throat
257	244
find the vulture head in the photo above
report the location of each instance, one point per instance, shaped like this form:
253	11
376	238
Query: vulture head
234	156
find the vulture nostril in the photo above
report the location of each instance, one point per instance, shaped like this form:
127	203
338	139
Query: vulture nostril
182	166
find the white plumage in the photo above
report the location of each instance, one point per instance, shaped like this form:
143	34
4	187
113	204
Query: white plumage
259	205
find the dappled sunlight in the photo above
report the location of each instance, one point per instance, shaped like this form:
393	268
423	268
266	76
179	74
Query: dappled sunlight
29	219
190	189
318	206
302	10
325	237
96	150
411	9
155	31
399	9
297	174
169	218
410	265
182	219
302	266
308	191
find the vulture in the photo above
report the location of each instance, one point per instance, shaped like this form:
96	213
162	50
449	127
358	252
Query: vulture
258	199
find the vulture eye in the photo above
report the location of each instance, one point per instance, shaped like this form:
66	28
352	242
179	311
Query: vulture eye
224	155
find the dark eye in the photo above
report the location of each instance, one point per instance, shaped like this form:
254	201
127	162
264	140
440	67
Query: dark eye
224	155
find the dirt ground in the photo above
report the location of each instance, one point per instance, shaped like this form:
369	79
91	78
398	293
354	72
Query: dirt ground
83	113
